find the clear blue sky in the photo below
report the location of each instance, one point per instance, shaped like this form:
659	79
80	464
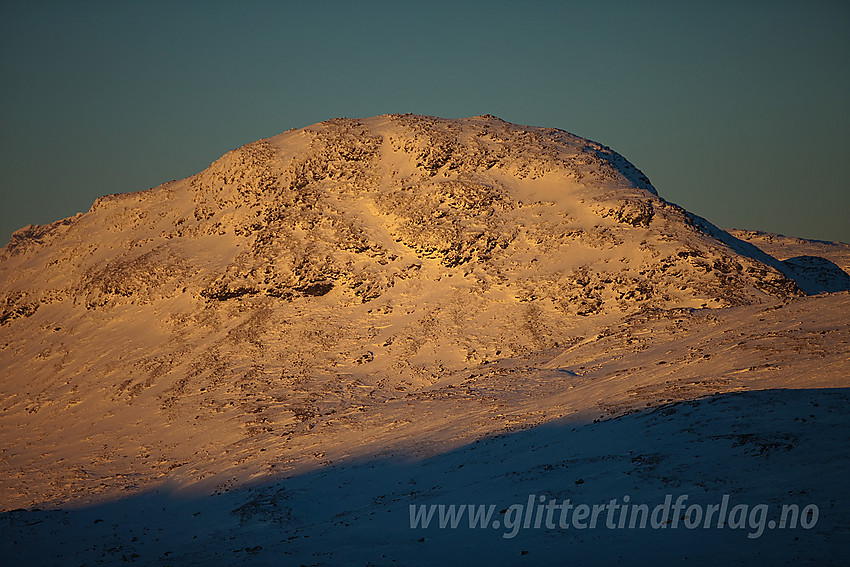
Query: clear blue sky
738	111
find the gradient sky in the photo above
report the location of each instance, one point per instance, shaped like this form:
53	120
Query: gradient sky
738	111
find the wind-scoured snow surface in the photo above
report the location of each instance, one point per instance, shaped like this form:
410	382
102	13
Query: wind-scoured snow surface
271	360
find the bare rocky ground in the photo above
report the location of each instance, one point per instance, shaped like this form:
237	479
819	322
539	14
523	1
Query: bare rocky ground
365	302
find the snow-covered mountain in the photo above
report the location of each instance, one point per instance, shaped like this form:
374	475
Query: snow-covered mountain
397	285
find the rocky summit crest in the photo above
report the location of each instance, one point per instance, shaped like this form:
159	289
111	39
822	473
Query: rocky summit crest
350	207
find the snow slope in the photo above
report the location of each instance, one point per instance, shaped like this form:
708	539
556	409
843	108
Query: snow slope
817	266
793	451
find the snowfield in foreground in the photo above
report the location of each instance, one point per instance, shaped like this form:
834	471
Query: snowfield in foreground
759	451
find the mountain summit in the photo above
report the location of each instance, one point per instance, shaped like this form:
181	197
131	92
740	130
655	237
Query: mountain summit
351	208
302	278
